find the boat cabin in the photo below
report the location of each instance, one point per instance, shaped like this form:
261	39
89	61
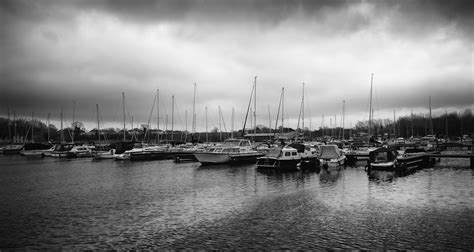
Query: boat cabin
382	155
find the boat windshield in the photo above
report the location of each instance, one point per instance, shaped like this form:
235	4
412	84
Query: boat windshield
274	152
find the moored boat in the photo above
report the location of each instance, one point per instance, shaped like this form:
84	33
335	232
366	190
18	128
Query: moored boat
34	149
231	151
383	159
290	157
61	150
330	155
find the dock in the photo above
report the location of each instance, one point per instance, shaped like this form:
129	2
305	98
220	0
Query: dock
416	159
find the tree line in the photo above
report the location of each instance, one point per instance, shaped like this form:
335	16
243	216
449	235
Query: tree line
447	125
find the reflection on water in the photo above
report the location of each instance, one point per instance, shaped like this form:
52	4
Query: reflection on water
79	204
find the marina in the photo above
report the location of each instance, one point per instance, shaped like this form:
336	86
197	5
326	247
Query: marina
236	125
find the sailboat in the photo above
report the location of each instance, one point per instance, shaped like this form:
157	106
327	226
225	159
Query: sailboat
233	150
32	148
61	149
101	154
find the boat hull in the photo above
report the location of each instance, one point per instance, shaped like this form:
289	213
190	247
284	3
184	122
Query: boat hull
212	158
272	163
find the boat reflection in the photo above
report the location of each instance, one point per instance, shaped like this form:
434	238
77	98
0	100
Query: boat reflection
383	176
330	174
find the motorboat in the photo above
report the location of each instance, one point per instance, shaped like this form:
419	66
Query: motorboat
34	149
61	150
383	159
80	151
231	151
289	157
330	155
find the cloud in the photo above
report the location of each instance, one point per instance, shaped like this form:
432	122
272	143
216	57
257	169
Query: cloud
57	52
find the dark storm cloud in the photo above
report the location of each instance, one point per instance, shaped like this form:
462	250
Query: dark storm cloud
55	52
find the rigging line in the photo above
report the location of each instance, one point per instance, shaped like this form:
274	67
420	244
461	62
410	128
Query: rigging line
222	118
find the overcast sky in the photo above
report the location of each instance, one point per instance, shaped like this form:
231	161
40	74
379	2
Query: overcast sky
87	52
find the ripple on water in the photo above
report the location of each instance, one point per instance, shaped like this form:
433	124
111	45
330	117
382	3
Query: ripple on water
78	204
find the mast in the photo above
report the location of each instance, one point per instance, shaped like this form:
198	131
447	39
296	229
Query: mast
269	120
172	116
32	126
248	108
62	131
123	106
73	122
207	132
232	125
370	103
431	120
186	125
14	127
220	131
343	112
412	135
394	129
9	126
193	127
48	122
158	114
446	138
98	126
282	108
278	113
302	110
322	126
255	107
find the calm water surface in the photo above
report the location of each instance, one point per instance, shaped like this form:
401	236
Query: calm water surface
82	204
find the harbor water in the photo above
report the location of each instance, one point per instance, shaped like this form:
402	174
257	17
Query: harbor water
84	204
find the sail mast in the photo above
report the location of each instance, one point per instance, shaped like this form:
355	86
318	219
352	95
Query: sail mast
32	126
123	106
255	107
62	131
207	132
98	126
158	114
220	130
431	120
370	104
302	111
9	127
172	116
49	115
343	115
282	109
193	127
232	130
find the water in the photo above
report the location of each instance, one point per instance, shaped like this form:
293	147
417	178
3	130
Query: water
84	204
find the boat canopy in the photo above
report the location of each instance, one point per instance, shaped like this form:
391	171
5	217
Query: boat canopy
382	154
330	152
297	146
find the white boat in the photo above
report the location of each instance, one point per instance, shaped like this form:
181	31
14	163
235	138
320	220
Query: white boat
290	157
231	151
330	155
110	154
80	151
61	150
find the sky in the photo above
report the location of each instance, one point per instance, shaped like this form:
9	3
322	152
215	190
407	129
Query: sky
72	55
